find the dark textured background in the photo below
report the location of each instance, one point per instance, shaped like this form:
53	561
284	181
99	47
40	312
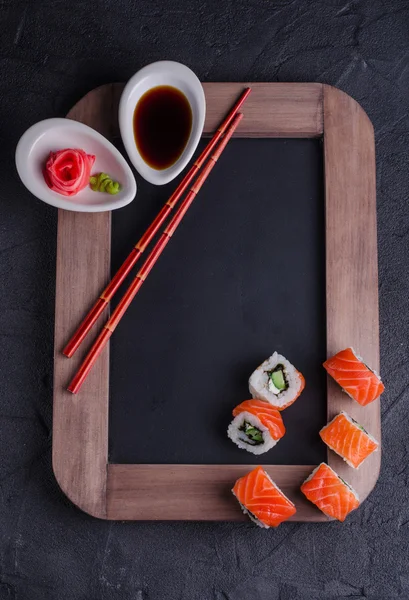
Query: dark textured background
51	54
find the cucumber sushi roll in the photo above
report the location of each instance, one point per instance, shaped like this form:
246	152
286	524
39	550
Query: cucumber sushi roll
256	426
277	382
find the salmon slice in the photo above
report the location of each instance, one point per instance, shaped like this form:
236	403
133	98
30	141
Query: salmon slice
355	378
333	496
262	500
268	416
348	439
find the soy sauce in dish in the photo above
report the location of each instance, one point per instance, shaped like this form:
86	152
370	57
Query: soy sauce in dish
162	122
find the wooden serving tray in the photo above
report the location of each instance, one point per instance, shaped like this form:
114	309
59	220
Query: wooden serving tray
80	423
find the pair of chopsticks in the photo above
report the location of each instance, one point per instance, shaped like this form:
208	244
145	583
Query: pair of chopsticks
225	131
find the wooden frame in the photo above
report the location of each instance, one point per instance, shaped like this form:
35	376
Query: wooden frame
202	492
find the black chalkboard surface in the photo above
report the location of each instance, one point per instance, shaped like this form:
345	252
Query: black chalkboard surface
243	276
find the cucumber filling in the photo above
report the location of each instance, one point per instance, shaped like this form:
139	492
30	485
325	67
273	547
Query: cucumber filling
252	434
277	381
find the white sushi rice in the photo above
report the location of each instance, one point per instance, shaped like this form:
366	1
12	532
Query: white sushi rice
240	438
259	382
358	426
336	474
251	515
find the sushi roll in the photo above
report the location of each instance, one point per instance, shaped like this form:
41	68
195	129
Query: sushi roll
256	426
349	439
277	382
354	376
262	500
331	494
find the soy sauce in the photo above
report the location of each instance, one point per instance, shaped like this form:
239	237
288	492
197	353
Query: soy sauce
162	123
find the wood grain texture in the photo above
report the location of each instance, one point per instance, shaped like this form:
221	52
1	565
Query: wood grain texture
351	263
80	423
195	492
271	110
202	492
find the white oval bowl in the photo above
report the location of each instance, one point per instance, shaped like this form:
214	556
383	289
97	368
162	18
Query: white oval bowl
49	135
170	73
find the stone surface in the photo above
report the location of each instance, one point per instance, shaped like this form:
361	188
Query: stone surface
52	53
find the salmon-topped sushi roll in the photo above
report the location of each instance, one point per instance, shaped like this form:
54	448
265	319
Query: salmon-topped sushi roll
354	376
256	426
277	382
331	494
349	439
262	500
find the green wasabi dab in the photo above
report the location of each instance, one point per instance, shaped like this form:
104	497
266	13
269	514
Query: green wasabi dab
103	183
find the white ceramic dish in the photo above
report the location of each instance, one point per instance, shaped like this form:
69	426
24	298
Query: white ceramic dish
56	134
161	73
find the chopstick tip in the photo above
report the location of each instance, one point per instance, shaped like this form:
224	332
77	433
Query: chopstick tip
72	389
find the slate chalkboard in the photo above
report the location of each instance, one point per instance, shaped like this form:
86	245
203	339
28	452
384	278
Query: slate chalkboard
243	276
176	491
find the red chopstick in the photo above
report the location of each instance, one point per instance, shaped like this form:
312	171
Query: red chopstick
137	282
147	237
